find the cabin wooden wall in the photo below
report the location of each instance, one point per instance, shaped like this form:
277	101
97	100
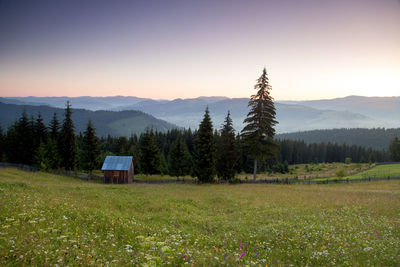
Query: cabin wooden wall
116	177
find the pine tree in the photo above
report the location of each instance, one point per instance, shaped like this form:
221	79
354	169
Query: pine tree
41	159
394	149
149	153
204	151
54	128
90	149
20	146
54	143
2	144
259	130
226	155
40	132
179	157
122	146
240	154
163	164
53	155
68	147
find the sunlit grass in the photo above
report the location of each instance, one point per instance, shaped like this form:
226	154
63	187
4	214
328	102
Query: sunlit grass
47	219
376	172
310	171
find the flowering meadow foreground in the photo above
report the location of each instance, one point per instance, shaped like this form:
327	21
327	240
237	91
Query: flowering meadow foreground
47	219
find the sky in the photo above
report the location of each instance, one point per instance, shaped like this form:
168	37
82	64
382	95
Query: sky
167	49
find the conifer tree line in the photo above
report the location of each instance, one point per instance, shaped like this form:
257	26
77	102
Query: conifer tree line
179	152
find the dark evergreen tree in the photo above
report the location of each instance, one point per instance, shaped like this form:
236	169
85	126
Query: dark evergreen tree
90	149
163	164
204	151
41	159
2	144
226	152
54	128
122	146
53	156
394	149
19	145
40	132
149	153
53	144
372	158
179	158
68	146
259	130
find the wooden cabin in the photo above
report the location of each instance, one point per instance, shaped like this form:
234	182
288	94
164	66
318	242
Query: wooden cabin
118	170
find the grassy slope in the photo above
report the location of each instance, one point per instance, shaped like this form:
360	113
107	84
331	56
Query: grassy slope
307	171
381	171
47	219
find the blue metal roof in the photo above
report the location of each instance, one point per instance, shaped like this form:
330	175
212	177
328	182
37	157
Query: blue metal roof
117	163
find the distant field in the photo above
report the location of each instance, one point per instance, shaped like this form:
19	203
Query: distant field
381	171
55	220
309	171
301	171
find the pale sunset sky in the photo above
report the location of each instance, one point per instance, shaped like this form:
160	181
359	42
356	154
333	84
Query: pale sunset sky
312	49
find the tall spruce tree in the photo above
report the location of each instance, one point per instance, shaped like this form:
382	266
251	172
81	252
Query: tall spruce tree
21	147
179	158
394	149
226	152
53	144
259	130
90	149
149	154
163	164
2	142
67	145
40	132
54	128
204	151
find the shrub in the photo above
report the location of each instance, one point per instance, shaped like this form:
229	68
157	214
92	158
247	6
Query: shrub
341	173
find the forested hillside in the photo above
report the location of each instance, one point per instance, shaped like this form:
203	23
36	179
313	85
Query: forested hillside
107	122
378	138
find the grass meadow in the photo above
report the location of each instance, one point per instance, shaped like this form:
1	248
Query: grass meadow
380	172
47	219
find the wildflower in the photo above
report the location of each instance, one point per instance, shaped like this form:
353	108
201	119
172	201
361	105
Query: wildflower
244	253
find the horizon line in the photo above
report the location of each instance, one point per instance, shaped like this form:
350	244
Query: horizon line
188	98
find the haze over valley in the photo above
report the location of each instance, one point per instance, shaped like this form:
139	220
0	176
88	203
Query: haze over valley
293	116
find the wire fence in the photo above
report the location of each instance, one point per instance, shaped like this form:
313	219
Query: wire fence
294	180
321	181
80	175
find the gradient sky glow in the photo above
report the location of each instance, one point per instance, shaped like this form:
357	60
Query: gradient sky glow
312	49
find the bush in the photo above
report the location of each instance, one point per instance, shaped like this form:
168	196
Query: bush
341	173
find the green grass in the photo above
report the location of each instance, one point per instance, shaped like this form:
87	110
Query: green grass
47	220
311	171
380	171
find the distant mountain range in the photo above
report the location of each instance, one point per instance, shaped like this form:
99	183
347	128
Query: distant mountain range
293	116
122	123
